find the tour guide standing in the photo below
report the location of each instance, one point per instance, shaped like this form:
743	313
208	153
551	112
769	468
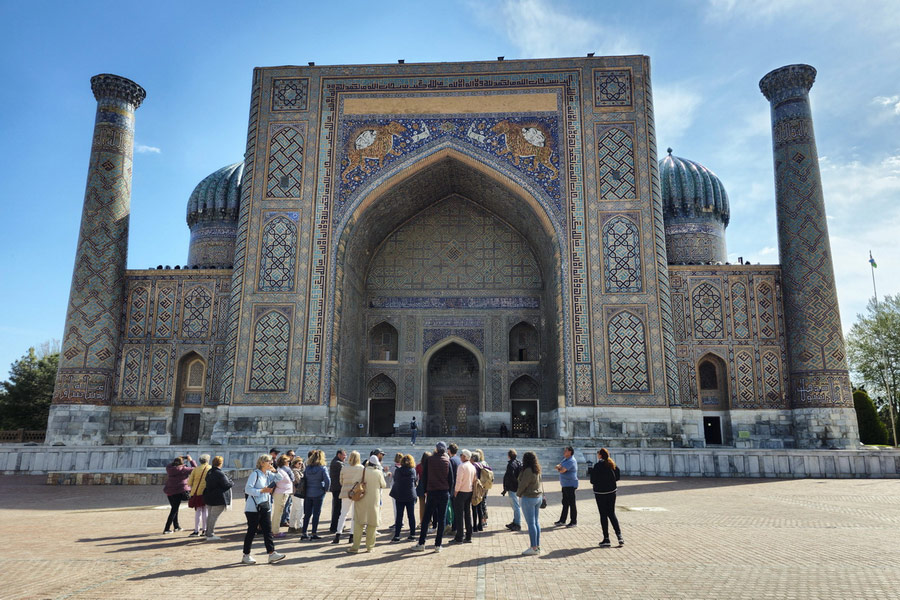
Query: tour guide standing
334	471
437	479
510	486
568	480
413	431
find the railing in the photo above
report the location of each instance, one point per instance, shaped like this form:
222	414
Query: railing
21	436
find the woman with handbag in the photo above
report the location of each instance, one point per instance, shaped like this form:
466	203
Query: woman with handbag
297	474
350	474
317	482
531	494
217	496
258	507
403	491
367	509
177	488
283	491
604	476
197	481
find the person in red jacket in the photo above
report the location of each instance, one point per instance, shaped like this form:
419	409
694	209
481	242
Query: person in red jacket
177	488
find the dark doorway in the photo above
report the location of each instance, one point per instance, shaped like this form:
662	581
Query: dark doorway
381	417
524	418
453	392
712	430
190	428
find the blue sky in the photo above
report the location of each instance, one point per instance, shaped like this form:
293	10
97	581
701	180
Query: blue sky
195	60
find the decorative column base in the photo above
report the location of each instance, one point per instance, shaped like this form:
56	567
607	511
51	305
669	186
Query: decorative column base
77	425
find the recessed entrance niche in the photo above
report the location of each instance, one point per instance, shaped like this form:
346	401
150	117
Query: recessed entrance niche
712	380
189	398
453	392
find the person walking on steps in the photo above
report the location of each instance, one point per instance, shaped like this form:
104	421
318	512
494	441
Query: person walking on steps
258	508
510	485
568	480
413	431
604	476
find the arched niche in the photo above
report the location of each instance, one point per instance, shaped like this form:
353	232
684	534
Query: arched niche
383	342
524	343
712	387
190	392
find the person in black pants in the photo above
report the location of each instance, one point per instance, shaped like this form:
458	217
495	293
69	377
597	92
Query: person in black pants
437	478
568	481
604	476
334	471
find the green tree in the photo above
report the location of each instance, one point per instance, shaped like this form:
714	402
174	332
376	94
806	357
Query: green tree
871	427
873	349
25	397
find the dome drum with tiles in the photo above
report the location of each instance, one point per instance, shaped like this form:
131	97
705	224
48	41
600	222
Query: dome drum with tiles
695	211
212	214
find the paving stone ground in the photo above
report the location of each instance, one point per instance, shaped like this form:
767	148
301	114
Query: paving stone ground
703	538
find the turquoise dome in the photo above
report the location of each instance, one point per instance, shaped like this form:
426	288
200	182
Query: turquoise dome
217	197
690	190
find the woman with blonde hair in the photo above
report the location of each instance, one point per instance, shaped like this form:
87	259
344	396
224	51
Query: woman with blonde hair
217	496
350	474
258	508
366	511
604	476
197	481
283	491
317	483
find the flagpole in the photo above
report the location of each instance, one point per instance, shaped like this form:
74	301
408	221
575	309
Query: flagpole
890	392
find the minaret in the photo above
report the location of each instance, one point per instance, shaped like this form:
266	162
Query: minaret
87	363
819	382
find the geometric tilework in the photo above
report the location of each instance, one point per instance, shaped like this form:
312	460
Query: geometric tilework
612	88
497	391
311	383
707	304
195	374
739	316
743	363
621	256
197	313
409	385
382	387
765	311
131	374
159	375
771	374
584	384
278	254
454	245
615	151
627	353
285	164
165	312
271	343
290	93
137	312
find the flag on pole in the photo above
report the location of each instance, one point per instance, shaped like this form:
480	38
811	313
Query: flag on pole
872	260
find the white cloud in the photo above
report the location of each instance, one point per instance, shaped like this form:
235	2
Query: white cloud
674	107
142	149
539	28
757	9
891	102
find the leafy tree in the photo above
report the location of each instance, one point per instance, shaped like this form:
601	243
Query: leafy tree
871	427
873	349
25	397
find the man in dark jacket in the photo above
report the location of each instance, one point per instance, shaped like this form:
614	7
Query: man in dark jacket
511	486
437	478
334	471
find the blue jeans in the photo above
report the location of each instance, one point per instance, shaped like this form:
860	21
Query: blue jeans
531	510
312	508
412	435
514	502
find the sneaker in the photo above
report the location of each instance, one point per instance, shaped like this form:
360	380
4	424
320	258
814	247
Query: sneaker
303	536
438	548
352	550
213	538
248	560
509	525
337	538
621	539
530	552
467	541
514	527
293	530
396	538
279	535
315	537
177	528
411	538
559	522
275	557
572	524
605	543
418	548
193	533
455	541
167	531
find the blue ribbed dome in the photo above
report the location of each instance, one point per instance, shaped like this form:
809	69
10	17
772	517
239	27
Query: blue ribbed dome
217	197
690	190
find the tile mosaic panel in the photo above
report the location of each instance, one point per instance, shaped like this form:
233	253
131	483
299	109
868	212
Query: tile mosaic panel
621	256
613	88
290	93
285	163
271	351
744	394
616	175
740	317
706	302
138	309
626	340
197	313
278	252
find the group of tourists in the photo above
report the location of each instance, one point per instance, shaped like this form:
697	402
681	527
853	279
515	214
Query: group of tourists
449	485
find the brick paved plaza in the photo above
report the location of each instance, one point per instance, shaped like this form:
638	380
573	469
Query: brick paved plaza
685	538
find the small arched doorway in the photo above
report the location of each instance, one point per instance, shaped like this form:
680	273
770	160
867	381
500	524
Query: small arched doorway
382	405
454	391
712	384
524	343
523	398
190	390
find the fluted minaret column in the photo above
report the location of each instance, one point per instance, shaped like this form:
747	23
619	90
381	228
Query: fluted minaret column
87	364
820	385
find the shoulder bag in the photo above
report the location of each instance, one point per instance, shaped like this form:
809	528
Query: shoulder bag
543	497
358	491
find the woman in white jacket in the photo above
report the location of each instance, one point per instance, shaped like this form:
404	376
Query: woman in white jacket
350	474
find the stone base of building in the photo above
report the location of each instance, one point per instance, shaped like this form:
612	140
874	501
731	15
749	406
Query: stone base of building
77	424
825	427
